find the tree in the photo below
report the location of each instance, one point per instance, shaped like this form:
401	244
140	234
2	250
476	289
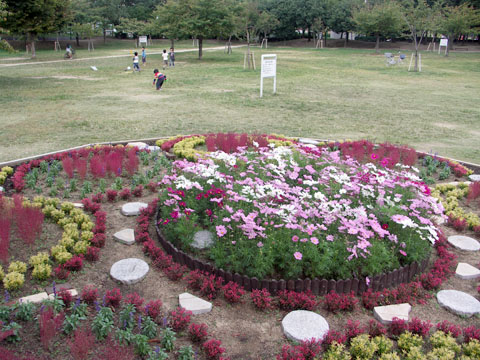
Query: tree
107	13
381	19
168	20
33	17
419	17
458	20
340	19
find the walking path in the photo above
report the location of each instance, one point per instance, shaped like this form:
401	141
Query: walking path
112	56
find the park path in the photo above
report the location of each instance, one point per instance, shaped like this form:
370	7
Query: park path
111	56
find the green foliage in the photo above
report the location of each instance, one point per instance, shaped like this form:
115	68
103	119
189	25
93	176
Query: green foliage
149	327
126	317
102	324
158	354
362	348
441	340
25	311
141	345
337	351
384	344
80	309
5	312
15	337
472	349
186	353
56	304
71	322
168	339
125	336
407	341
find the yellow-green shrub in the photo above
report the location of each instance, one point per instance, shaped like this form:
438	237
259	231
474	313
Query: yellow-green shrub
441	354
2	273
3	177
80	247
13	281
56	215
52	201
336	351
48	210
17	266
8	170
57	249
71	230
362	348
63	222
67	242
472	349
86	236
389	356
63	257
40	258
383	343
87	226
42	271
67	207
414	353
441	340
407	340
80	218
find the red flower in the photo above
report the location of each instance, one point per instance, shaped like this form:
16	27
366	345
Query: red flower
384	226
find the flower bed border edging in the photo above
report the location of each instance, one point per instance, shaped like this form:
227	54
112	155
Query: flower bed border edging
317	286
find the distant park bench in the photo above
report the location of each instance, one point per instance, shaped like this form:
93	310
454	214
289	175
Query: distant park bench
390	59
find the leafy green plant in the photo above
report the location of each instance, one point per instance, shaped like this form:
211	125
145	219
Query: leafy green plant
71	322
168	339
80	309
14	337
102	185
141	345
126	317
186	353
124	336
102	324
87	187
25	311
5	312
117	184
157	354
73	185
56	304
149	327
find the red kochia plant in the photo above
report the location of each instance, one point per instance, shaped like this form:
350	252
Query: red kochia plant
98	240
397	327
340	302
152	186
138	191
97	198
310	348
211	285
153	309
198	332
353	329
419	327
290	353
430	281
195	279
376	328
473	191
4	238
67	163
449	328
132	161
65	296
98	167
75	263
49	324
470	333
111	195
93	253
89	294
114	163
212	349
233	292
29	223
61	273
113	297
179	319
458	224
261	299
332	336
291	300
80	165
175	271
125	194
134	299
82	343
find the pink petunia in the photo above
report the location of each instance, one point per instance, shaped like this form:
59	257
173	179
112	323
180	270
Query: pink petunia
298	255
294	238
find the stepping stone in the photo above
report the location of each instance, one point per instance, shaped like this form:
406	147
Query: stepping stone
37	298
464	243
300	325
133	208
154	148
474	177
58	287
194	304
385	314
140	145
309	141
458	302
78	205
129	271
125	236
72	292
467	271
202	239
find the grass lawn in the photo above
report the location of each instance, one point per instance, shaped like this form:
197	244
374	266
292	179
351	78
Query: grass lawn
329	94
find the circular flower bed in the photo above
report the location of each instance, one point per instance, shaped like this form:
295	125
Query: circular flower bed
299	212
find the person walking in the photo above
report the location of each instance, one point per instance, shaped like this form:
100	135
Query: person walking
136	67
165	59
171	55
144	56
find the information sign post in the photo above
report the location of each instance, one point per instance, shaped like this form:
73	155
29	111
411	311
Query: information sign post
444	43
269	69
142	40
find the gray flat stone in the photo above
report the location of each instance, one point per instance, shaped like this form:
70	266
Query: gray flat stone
300	325
464	243
194	304
309	141
37	298
474	177
78	205
467	271
202	239
72	292
129	271
1	189
58	287
140	145
458	302
133	208
154	148
385	314
125	236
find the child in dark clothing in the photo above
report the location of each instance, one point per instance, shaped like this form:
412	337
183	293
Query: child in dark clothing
159	79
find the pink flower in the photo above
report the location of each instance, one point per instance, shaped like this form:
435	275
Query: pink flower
234	242
294	238
403	253
303	240
329	237
174	214
367	280
384	162
221	230
260	244
374	156
314	240
298	255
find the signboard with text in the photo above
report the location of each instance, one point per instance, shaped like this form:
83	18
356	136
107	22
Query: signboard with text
142	39
269	70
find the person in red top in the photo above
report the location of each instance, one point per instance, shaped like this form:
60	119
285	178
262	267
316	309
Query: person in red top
159	79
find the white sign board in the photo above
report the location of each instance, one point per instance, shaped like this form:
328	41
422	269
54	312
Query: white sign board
142	39
443	42
269	70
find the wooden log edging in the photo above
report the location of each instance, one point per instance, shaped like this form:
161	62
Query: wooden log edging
317	286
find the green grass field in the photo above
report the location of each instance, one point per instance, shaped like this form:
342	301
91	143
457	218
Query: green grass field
328	94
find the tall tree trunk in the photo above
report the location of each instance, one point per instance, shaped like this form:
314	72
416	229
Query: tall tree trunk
172	43
449	45
309	35
377	44
200	45
248	49
345	40
77	39
325	39
104	36
31	41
